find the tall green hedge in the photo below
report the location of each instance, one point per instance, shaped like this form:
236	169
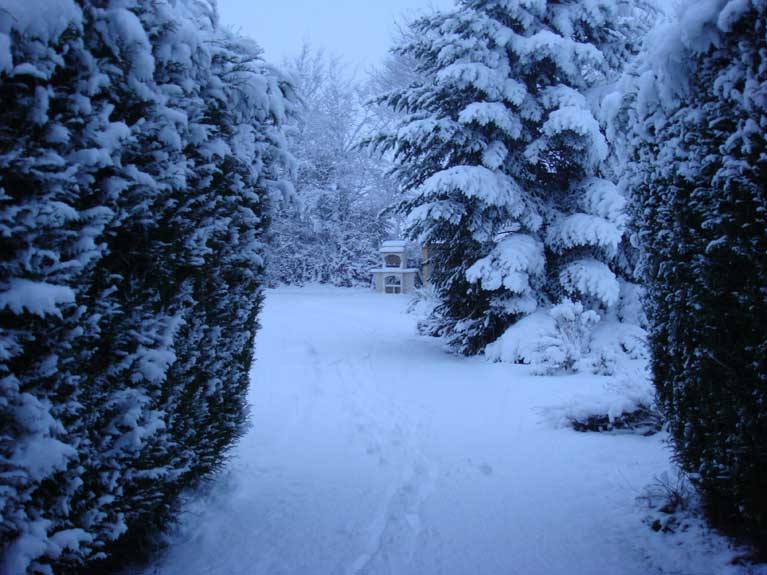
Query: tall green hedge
701	211
138	145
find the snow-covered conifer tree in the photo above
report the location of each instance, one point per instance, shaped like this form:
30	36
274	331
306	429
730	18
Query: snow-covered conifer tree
138	146
499	156
698	184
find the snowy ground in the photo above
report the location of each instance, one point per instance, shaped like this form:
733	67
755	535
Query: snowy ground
373	452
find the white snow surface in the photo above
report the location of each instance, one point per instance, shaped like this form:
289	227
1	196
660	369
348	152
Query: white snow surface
510	264
43	19
39	298
591	278
373	451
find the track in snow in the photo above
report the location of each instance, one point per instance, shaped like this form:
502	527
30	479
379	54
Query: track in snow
373	452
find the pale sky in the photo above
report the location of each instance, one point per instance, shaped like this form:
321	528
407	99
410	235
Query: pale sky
359	31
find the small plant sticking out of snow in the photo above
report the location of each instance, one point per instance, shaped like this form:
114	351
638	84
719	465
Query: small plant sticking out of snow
574	325
676	516
669	496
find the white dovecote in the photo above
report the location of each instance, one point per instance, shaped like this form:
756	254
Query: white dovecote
394	277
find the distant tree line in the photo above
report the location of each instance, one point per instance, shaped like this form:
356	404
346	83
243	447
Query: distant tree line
328	227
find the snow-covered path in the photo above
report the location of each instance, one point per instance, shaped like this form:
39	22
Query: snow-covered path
373	451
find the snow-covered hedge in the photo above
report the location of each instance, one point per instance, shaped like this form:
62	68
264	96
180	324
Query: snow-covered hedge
138	145
697	107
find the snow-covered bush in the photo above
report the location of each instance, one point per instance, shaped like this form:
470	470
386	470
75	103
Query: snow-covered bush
503	163
699	119
574	325
568	338
138	145
556	340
